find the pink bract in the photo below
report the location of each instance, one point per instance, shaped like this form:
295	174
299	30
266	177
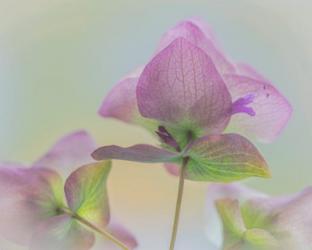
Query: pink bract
166	93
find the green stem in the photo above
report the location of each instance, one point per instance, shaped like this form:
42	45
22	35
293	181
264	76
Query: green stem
178	204
96	229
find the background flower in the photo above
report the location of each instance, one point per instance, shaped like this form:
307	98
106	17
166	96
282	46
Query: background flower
253	220
39	210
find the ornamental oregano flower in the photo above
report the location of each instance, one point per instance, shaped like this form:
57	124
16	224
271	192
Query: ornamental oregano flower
254	221
201	106
41	211
188	95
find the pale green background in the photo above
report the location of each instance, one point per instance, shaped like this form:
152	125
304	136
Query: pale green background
58	58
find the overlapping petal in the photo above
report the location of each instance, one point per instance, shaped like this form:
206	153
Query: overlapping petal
182	85
120	103
224	158
270	107
139	153
86	193
200	34
28	196
68	153
272	110
176	87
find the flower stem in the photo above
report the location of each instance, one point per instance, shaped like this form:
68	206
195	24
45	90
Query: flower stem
178	204
96	229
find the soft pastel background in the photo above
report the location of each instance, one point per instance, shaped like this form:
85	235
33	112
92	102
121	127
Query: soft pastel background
58	58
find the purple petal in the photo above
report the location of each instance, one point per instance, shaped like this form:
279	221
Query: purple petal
181	84
121	103
296	217
69	153
200	34
172	169
272	110
246	70
62	233
292	216
139	153
86	193
27	197
122	234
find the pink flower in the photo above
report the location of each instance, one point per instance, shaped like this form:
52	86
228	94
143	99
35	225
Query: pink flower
188	95
41	211
191	78
242	218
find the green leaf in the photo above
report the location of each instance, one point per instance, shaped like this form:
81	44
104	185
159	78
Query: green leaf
235	234
86	192
254	215
224	158
261	238
233	224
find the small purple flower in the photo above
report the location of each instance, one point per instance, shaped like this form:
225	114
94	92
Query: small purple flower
41	211
188	95
242	218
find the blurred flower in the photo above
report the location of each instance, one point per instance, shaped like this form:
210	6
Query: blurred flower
40	211
254	221
188	94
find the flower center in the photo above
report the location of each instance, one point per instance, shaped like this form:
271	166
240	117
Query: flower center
167	138
177	138
240	105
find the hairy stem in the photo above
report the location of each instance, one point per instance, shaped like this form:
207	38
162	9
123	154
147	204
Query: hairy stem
178	204
94	228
